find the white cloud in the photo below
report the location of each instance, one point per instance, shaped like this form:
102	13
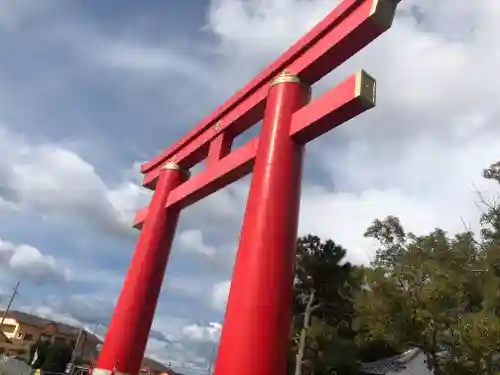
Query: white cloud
116	54
420	153
243	30
417	155
27	262
195	332
91	311
55	181
52	314
220	292
187	286
184	346
426	187
192	241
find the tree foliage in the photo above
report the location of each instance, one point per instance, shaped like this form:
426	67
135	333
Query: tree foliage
58	356
323	308
435	291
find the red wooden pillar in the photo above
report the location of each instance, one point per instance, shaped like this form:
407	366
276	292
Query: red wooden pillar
257	323
126	340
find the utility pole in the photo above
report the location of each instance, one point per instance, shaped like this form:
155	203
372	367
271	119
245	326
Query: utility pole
212	360
14	294
71	365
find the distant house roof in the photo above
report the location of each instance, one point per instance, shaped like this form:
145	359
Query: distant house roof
158	367
395	365
67	330
36	321
154	365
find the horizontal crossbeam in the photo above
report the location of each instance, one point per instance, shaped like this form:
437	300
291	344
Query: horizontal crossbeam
344	32
350	98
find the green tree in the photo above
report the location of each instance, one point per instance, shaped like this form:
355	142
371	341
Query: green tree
58	356
476	343
323	339
420	290
437	292
38	352
490	217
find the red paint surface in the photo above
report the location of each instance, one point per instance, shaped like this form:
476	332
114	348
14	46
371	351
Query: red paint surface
257	322
344	8
128	333
344	32
327	112
219	148
322	115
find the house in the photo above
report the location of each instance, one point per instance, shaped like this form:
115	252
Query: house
4	339
21	330
152	367
412	362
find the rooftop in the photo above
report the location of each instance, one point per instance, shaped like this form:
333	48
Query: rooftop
68	330
36	321
390	365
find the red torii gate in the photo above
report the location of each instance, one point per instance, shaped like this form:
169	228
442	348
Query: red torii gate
257	321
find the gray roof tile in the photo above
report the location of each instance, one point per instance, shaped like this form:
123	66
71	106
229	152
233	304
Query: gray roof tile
392	364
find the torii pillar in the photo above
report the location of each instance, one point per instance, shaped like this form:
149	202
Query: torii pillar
257	322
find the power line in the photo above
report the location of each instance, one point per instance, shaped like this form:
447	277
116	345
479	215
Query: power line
13	295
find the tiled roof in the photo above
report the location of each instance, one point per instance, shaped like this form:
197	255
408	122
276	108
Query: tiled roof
65	329
154	365
392	364
36	321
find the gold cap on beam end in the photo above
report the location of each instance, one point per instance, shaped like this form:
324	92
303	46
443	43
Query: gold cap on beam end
366	89
285	77
172	165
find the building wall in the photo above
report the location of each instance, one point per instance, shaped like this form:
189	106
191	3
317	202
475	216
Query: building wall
24	336
10	328
21	337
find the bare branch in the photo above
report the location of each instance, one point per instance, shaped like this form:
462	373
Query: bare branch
315	307
467	228
345	297
303	334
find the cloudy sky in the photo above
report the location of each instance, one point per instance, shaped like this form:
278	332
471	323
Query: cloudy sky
89	90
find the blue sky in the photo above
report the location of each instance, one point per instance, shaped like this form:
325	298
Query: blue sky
89	90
